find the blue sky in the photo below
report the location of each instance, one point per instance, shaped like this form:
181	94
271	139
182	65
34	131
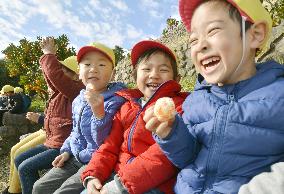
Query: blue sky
112	22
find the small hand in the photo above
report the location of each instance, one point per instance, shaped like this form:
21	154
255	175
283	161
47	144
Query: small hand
94	186
59	160
48	46
162	129
96	101
32	116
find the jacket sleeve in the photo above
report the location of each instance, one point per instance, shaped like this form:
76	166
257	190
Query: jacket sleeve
180	146
101	127
54	73
105	158
148	170
66	145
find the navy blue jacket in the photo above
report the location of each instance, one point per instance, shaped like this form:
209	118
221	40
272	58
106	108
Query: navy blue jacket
88	132
228	134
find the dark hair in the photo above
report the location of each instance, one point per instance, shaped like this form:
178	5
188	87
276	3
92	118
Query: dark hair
147	54
233	13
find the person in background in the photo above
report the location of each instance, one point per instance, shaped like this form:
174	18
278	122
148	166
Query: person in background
5	100
62	79
26	99
25	144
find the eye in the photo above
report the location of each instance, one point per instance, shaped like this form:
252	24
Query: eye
193	41
213	31
102	65
164	70
86	64
145	69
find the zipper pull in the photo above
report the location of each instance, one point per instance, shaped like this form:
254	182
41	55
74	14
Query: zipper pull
231	98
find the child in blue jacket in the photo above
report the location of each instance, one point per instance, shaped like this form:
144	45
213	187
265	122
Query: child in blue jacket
93	110
232	126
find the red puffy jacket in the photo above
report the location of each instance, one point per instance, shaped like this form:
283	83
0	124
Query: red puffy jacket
130	149
58	114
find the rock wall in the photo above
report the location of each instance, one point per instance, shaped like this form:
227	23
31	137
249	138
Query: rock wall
176	39
16	125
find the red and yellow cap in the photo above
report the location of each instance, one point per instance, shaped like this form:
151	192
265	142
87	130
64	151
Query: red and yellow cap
95	46
251	9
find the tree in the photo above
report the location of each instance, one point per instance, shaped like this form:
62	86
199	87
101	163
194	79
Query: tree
119	53
276	10
4	78
23	62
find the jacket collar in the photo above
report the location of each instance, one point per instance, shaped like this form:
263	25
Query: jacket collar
266	73
169	88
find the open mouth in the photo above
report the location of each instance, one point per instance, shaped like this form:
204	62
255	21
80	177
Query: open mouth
210	63
93	78
153	86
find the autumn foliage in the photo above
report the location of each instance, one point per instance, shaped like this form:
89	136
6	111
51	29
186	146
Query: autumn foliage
22	61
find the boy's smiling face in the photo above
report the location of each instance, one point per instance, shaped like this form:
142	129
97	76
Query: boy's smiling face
151	73
216	46
95	68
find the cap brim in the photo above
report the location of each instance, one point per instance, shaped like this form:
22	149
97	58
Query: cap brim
86	49
145	45
186	9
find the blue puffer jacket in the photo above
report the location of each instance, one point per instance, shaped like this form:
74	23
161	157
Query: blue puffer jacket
229	134
88	132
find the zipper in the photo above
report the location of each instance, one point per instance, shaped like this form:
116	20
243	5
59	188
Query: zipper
132	130
217	143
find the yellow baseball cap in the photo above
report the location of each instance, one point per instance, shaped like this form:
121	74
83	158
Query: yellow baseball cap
7	88
251	9
95	46
71	63
18	90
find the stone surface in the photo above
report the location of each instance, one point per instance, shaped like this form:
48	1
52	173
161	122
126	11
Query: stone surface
176	39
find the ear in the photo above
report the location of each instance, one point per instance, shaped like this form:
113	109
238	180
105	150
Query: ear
112	74
258	33
80	73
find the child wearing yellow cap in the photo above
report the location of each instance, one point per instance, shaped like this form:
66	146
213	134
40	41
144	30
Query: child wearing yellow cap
63	81
26	99
93	111
5	93
232	125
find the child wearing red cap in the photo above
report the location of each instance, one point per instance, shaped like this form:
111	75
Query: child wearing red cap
232	125
129	160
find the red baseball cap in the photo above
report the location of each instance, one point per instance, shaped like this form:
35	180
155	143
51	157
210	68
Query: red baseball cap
145	45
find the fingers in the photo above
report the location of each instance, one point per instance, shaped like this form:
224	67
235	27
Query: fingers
163	130
97	184
152	124
94	186
149	113
55	161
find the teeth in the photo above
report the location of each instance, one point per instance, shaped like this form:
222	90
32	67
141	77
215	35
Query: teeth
210	60
153	85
